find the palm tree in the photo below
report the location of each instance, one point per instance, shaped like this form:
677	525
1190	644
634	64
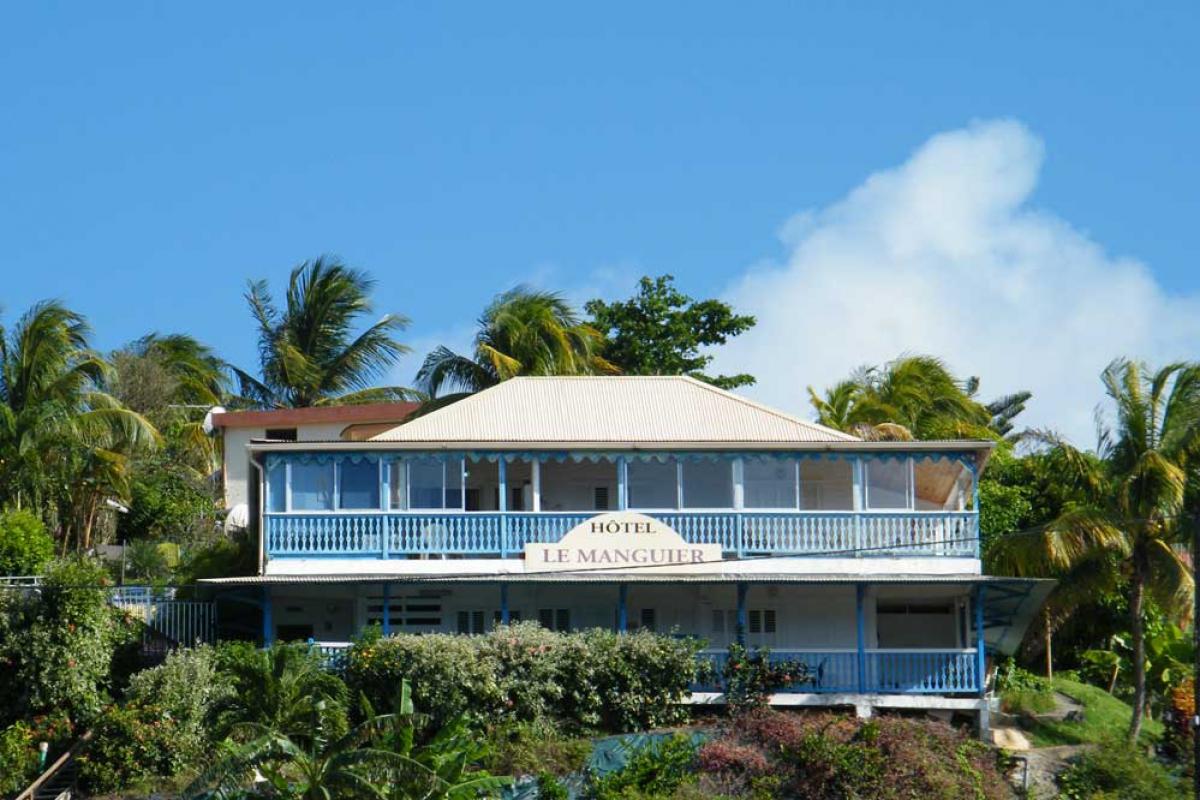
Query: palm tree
318	769
308	352
65	444
912	397
1134	501
522	332
377	759
282	690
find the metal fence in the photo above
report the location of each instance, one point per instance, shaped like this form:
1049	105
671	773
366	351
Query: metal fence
172	622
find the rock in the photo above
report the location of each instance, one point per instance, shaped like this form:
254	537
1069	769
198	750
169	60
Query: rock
1010	739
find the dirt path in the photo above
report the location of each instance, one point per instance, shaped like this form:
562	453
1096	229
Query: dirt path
1047	762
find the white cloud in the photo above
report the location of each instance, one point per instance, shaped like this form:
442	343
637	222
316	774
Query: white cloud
945	255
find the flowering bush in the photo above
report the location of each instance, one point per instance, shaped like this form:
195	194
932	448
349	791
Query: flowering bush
18	758
1179	732
722	756
751	677
131	746
522	672
820	755
57	647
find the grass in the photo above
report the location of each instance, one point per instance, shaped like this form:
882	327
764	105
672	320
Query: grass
1103	717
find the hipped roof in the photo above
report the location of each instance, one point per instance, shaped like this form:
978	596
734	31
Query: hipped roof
616	410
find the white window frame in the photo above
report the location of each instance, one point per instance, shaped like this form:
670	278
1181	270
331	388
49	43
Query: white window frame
795	488
909	488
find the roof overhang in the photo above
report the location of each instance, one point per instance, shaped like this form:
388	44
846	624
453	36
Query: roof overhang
962	446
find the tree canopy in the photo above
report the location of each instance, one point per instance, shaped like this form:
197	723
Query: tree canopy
662	331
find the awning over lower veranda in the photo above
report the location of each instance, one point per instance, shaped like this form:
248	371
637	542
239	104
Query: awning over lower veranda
1009	604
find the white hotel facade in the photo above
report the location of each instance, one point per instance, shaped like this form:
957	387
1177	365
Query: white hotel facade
630	503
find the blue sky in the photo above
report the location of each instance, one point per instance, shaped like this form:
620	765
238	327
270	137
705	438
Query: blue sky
154	156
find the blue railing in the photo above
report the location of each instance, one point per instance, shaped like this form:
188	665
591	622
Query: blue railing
401	534
884	671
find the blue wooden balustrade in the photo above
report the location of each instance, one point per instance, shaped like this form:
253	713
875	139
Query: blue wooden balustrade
885	671
504	534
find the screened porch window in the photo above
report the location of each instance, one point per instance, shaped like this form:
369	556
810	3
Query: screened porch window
358	484
433	483
277	486
889	483
707	484
653	484
826	484
312	486
769	483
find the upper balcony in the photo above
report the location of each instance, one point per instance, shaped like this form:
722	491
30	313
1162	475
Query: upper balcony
489	504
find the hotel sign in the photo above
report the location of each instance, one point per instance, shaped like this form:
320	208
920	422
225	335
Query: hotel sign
619	540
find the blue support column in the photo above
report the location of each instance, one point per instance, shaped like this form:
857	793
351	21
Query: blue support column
622	483
622	608
741	613
975	505
858	501
860	592
504	604
387	609
502	504
980	652
267	622
385	473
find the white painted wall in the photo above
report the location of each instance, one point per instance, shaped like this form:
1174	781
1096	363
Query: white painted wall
238	471
807	617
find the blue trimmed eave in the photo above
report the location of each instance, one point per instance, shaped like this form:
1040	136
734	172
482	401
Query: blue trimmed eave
967	459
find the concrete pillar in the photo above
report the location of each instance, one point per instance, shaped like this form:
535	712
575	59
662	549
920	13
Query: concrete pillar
741	613
504	601
864	710
387	609
860	591
622	608
267	621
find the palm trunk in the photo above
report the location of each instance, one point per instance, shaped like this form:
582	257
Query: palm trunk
1137	634
1049	644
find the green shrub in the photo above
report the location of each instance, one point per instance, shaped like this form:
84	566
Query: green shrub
187	688
25	547
526	748
1116	770
656	770
1022	692
625	682
167	503
521	672
449	672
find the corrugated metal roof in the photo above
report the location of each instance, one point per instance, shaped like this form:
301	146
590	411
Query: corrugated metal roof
618	409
